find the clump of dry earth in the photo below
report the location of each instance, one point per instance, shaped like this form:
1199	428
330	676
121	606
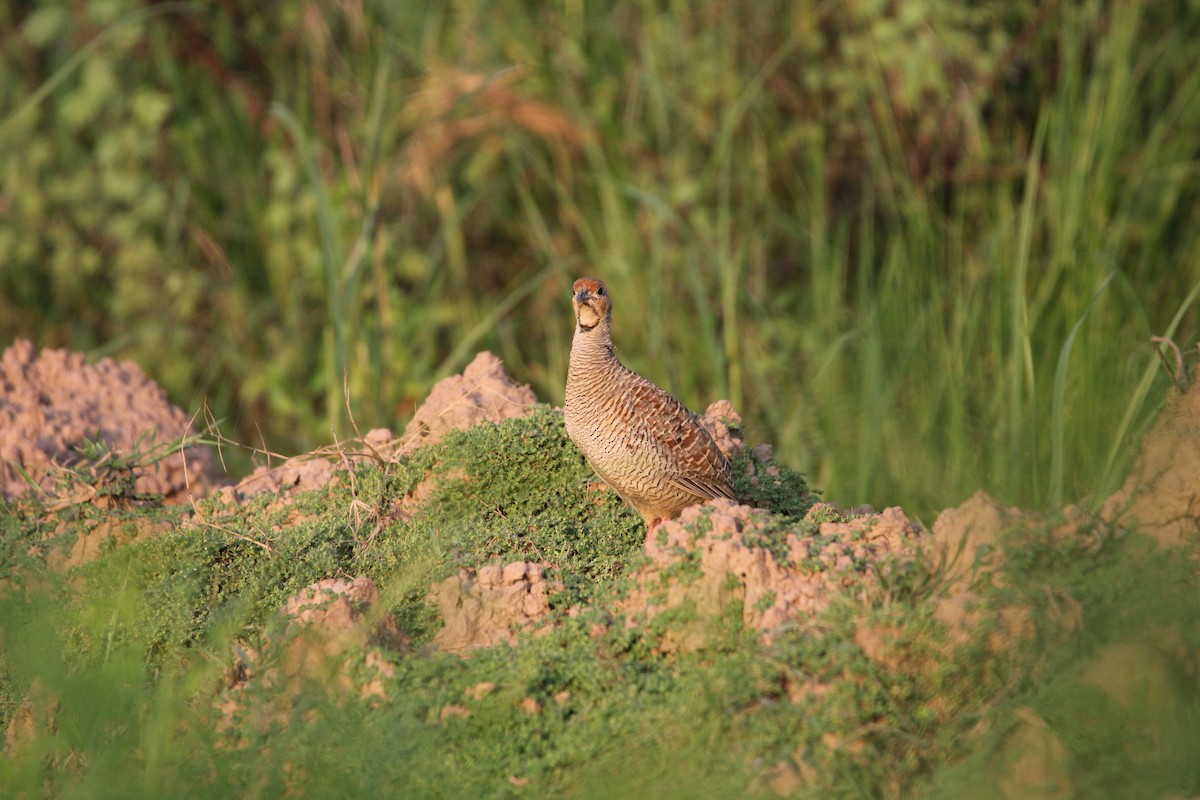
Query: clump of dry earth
53	402
337	640
483	393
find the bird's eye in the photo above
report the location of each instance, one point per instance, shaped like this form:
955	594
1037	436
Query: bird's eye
600	290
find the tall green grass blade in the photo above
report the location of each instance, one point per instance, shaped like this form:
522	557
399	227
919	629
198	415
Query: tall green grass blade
1058	410
337	312
1020	379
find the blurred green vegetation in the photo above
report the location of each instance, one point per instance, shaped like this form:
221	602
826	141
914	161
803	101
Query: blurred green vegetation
920	244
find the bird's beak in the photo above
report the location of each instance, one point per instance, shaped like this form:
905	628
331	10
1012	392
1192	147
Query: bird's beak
582	297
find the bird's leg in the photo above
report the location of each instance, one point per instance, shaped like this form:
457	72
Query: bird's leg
650	526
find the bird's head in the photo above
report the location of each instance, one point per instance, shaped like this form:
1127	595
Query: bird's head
591	303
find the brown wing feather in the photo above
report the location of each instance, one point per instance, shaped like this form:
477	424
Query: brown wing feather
691	459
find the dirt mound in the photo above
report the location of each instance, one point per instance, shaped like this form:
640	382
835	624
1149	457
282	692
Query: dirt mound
966	545
491	606
724	425
95	537
342	613
722	553
52	403
1035	764
313	470
1161	496
336	639
483	393
329	619
968	535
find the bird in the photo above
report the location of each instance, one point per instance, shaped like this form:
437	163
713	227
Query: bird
646	445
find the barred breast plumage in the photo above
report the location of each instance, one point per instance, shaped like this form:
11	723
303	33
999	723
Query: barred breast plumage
640	440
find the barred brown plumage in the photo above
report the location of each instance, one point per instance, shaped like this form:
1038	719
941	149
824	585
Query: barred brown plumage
640	440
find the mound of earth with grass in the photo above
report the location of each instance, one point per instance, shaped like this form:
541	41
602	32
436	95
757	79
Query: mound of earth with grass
483	393
1161	496
58	412
465	610
723	556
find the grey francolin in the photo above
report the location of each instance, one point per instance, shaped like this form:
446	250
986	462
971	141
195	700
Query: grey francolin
640	440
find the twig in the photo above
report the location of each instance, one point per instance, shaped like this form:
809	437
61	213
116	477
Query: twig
1179	375
237	535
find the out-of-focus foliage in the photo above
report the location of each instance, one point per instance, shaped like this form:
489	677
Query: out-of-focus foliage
872	225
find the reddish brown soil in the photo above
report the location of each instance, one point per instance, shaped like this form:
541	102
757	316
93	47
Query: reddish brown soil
53	401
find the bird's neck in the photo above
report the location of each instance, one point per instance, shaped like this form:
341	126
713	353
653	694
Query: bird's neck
592	347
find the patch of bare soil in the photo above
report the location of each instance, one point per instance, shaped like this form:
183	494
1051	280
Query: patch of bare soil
724	425
493	605
717	554
53	402
1034	763
337	638
95	537
37	715
1161	496
966	547
329	618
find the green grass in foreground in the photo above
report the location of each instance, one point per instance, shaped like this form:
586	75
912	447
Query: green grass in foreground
131	656
921	246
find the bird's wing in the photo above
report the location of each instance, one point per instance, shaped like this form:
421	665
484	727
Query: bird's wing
693	461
